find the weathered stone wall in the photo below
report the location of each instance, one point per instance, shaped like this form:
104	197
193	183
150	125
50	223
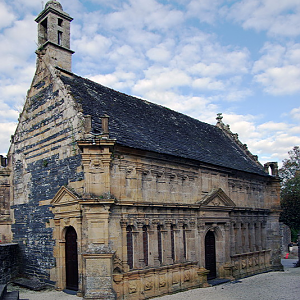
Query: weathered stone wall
138	178
44	158
9	262
5	220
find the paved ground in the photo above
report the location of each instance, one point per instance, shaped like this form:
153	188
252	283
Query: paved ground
267	286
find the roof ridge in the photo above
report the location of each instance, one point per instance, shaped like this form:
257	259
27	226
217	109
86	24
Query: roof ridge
235	137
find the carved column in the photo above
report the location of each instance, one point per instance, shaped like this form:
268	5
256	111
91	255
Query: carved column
191	246
179	242
146	185
238	245
263	236
232	238
139	176
200	245
167	253
153	245
161	186
172	186
258	235
139	251
247	237
251	236
131	183
227	241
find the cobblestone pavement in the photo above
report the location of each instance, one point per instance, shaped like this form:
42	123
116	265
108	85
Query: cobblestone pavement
267	286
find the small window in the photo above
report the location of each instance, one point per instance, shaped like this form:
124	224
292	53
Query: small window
59	38
43	30
60	22
129	247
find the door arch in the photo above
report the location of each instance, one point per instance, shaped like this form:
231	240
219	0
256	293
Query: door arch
210	254
71	259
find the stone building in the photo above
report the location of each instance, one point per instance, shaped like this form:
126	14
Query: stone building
117	197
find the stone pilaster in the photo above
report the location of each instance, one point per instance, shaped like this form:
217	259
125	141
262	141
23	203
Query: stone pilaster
258	236
167	253
153	246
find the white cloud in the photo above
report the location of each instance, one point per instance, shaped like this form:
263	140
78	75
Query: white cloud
117	80
206	83
164	79
147	14
295	114
278	69
272	126
205	10
6	16
93	48
280	81
158	51
16	45
278	18
271	141
159	54
6	130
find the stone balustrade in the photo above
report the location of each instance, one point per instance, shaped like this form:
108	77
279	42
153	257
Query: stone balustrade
147	283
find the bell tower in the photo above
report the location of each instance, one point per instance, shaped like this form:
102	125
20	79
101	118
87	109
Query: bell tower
54	35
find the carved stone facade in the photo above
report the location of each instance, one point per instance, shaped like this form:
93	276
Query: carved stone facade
5	219
152	209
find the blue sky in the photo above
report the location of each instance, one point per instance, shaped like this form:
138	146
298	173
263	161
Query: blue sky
199	57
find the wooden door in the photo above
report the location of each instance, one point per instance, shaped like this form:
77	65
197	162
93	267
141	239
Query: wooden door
210	255
71	259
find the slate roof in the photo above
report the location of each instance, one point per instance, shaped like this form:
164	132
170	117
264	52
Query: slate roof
143	125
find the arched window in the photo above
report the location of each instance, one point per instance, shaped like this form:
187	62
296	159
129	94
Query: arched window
145	244
184	242
159	244
172	243
129	247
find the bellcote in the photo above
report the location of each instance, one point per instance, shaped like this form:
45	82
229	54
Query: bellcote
54	35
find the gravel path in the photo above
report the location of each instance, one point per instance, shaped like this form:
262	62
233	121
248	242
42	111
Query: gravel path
267	286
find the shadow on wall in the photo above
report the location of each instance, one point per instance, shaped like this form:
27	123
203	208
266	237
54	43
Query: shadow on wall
9	262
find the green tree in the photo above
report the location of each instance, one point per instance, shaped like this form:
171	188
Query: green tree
290	203
290	165
290	193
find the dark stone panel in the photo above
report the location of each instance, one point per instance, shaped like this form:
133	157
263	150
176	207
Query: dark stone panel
31	220
34	239
9	262
42	97
50	174
39	84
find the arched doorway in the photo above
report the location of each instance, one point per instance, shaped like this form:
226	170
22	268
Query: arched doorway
71	259
210	254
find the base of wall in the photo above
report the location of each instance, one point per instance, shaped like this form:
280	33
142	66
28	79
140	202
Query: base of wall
9	262
153	282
